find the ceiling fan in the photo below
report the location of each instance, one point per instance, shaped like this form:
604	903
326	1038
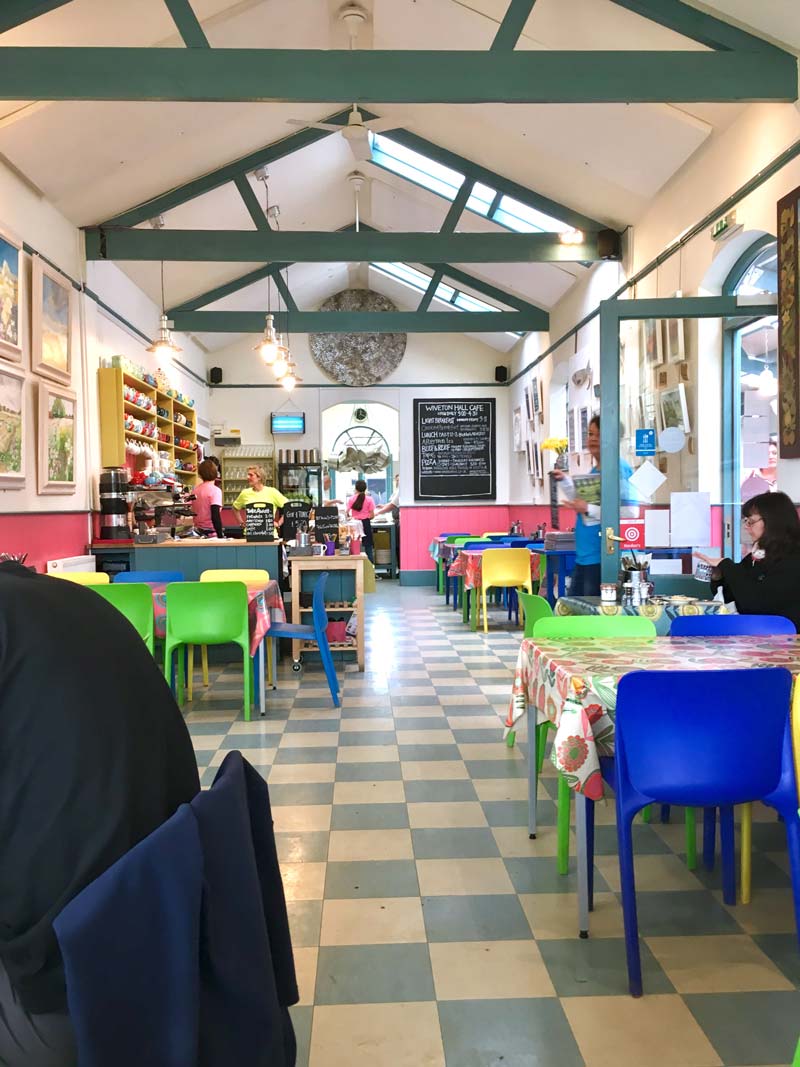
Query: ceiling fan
358	129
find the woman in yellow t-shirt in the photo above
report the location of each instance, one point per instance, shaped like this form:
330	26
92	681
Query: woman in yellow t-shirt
258	493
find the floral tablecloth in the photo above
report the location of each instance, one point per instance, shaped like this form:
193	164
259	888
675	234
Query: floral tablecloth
469	566
265	603
573	684
661	612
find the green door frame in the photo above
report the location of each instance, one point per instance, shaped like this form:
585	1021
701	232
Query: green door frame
612	313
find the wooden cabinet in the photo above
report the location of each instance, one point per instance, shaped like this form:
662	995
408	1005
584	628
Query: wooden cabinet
160	414
344	594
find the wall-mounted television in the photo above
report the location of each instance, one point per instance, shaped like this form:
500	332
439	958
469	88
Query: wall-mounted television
287	422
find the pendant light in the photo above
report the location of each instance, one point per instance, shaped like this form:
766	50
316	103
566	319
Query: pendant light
163	344
267	347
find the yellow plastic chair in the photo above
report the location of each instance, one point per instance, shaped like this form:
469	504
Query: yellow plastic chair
504	568
82	577
250	576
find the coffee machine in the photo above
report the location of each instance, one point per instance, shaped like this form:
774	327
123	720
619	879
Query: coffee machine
115	500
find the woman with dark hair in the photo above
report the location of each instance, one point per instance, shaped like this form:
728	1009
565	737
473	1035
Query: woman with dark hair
767	581
207	501
361	506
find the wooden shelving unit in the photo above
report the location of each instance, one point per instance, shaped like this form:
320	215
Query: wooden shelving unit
114	407
235	461
341	569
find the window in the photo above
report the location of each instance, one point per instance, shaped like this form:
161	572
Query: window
515	215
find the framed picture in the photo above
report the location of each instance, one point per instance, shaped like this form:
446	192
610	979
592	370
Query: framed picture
584	417
571	429
528	404
674	411
12	427
51	323
529	453
535	396
648	411
651	342
517	424
537	462
673	340
56	440
10	298
789	323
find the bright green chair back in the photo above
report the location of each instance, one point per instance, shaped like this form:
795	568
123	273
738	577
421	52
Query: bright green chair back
533	608
578	626
135	602
208	613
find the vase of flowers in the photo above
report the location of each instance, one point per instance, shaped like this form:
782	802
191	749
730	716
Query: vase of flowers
559	445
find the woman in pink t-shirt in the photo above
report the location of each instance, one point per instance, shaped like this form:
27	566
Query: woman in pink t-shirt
361	506
207	503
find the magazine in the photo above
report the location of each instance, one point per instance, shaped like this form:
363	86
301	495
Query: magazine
587	487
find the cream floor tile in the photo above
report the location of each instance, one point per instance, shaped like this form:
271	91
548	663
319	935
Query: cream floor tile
674	834
446	815
207	741
473	722
263	726
424	737
259	757
368	754
305	965
353	845
416	691
302	817
410	676
433	770
369	793
374	700
506	789
653	873
452	680
305	714
418	711
379	921
350	726
554	916
494	750
376	1035
291	773
719	964
447	700
319	691
303	881
513	841
623	1032
325	739
489	970
770	911
457	877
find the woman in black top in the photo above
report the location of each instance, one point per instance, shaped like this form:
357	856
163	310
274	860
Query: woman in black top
767	581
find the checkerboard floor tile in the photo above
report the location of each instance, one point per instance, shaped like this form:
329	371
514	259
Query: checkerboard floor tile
427	927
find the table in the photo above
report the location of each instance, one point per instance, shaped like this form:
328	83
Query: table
566	564
342	567
468	565
264	604
661	613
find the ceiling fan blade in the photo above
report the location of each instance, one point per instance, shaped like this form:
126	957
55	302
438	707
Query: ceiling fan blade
379	125
314	125
361	149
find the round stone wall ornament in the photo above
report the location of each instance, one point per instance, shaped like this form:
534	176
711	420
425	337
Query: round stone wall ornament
358	359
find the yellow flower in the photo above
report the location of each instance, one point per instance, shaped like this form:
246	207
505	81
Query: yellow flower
556	444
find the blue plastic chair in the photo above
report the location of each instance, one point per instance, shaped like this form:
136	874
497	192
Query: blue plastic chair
149	576
451	533
318	633
731	625
687	737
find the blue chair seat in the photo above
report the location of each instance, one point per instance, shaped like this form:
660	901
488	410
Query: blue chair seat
291	629
317	633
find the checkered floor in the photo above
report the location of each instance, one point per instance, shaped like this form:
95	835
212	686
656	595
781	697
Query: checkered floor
429	931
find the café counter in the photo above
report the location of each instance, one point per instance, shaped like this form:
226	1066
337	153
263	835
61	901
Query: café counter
191	556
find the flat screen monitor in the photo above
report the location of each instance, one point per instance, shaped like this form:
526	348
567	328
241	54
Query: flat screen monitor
287	422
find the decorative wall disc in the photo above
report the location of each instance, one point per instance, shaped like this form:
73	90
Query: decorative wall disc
357	358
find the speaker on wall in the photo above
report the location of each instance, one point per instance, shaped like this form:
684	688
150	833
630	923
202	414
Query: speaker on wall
501	374
609	245
215	376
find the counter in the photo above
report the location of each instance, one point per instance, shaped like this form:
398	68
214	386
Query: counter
191	556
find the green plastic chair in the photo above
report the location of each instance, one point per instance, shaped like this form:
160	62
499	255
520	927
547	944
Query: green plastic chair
208	613
135	602
533	608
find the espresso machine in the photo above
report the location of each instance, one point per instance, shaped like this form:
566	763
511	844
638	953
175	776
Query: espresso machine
115	502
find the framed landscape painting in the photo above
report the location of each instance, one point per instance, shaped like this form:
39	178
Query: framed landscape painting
12	427
651	342
10	263
674	409
56	440
51	323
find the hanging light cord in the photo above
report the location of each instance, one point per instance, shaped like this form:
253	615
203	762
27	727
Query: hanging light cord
163	303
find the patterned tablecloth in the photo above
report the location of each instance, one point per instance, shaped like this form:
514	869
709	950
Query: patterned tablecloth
661	613
469	566
574	685
265	603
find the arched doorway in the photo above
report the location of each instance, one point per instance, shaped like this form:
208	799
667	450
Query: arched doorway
361	440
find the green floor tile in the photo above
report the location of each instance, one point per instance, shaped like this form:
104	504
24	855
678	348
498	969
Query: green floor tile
495	917
374	974
597	968
507	1033
374	878
749	1028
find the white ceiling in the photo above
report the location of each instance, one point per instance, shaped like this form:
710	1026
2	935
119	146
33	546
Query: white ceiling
94	160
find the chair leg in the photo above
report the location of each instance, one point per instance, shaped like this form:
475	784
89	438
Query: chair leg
204	659
247	681
793	842
330	673
485	613
628	885
590	851
646	814
709	837
564	800
690	826
542	730
269	662
190	674
728	849
665	809
746	852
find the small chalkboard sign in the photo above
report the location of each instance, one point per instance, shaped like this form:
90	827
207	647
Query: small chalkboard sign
295	516
326	525
259	524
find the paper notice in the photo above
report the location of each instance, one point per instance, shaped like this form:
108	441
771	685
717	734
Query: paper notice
755	428
690	518
656	528
646	479
755	455
756	403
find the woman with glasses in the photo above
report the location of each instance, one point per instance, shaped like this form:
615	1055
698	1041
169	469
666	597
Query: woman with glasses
767	581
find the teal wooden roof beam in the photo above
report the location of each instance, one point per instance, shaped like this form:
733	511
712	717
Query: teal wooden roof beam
697	25
510	29
243	246
362	321
17	12
397	77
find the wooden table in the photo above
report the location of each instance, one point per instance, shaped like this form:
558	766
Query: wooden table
346	567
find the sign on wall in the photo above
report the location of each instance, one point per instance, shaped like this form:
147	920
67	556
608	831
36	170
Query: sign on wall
455	450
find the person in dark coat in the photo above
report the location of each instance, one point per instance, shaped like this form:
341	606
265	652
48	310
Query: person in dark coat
94	756
767	581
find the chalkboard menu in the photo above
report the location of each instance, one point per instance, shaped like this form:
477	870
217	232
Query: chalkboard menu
454	449
326	525
295	514
259	523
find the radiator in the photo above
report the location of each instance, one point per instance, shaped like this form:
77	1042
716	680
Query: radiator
71	563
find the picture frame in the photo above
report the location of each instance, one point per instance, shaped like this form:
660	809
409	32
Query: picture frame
648	411
528	404
651	342
12	427
537	462
536	396
11	263
517	429
529	456
51	323
788	231
584	424
56	440
674	410
674	347
571	430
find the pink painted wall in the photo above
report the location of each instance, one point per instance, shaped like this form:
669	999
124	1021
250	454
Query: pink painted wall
420	525
45	535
